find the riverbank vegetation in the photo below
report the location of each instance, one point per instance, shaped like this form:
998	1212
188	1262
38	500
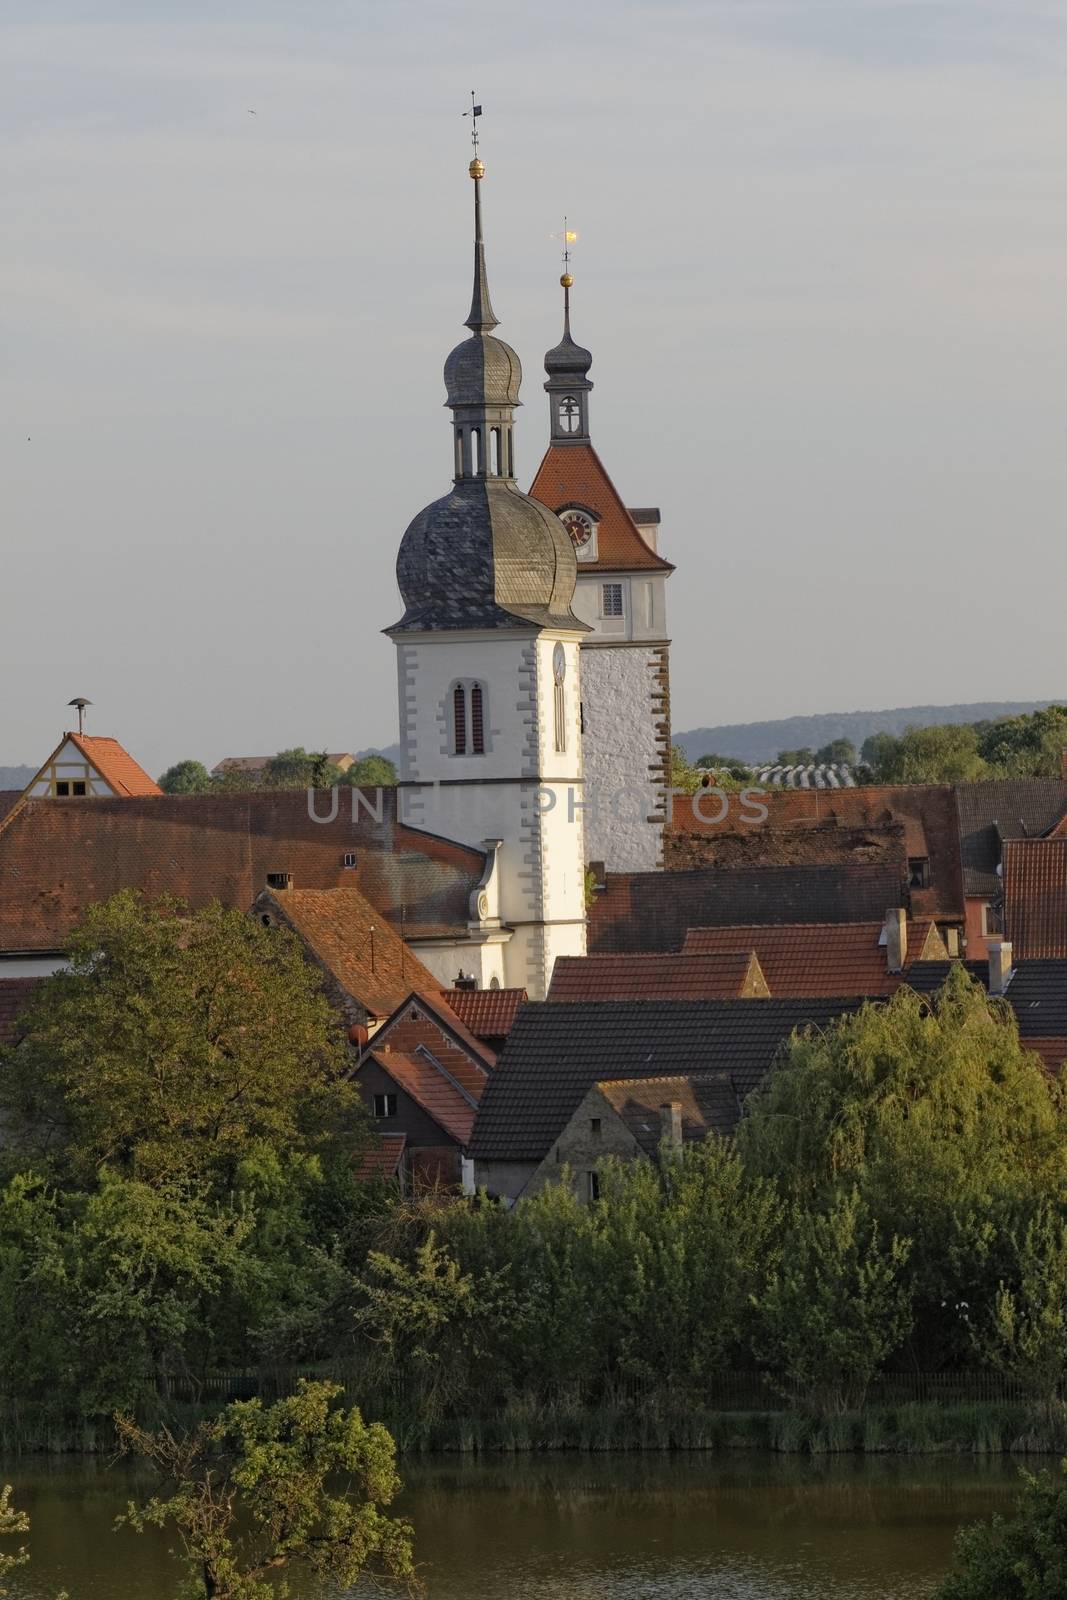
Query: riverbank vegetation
180	1223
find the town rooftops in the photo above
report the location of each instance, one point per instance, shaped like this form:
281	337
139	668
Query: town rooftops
352	942
708	1102
58	856
574	475
555	1053
821	958
442	1098
1035	897
646	911
488	1013
1036	992
998	809
732	973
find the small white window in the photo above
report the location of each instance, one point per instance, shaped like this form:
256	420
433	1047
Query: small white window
350	858
613	599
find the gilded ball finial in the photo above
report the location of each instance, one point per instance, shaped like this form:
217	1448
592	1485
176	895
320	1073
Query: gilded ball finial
566	280
477	168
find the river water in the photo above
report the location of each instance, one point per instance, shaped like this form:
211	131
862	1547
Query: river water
635	1527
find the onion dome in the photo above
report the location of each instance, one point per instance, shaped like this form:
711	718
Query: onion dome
485	555
567	359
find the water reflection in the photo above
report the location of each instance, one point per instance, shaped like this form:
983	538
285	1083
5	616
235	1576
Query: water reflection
643	1527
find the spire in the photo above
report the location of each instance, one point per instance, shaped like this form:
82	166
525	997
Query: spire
567	365
482	318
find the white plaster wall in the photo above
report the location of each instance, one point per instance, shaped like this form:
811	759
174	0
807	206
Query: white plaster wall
32	966
522	790
482	961
644	602
69	764
619	746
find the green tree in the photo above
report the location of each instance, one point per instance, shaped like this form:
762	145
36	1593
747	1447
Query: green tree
297	769
1028	1338
839	752
1021	1557
187	777
944	754
1027	746
804	757
684	778
371	772
948	1128
11	1522
881	753
836	1306
174	1043
252	1496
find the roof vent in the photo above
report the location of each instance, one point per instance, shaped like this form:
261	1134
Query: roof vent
279	880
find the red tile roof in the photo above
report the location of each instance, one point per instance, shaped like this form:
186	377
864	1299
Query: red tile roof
14	997
353	942
1035	897
574	475
488	1013
382	1158
115	765
927	813
451	1029
1053	1052
734	974
445	1102
812	960
58	856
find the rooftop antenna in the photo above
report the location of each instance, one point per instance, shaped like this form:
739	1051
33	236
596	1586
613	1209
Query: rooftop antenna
79	703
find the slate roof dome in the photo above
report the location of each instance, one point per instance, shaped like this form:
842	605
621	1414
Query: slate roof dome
567	358
486	556
483	370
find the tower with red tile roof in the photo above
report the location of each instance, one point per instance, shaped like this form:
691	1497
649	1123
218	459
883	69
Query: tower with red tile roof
621	595
488	666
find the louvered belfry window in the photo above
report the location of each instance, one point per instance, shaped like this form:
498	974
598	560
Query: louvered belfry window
477	721
459	704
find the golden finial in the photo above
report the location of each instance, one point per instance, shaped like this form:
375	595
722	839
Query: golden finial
566	280
477	169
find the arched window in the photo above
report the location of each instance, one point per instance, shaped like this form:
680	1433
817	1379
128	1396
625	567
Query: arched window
559	673
477	721
469	730
477	465
497	464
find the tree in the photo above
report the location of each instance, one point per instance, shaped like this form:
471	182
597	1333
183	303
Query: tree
1028	1338
11	1521
252	1496
371	772
947	753
839	752
836	1306
950	1131
296	769
803	757
187	777
176	1041
1026	746
683	777
881	753
1022	1557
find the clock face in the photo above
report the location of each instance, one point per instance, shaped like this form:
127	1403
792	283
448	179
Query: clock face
580	528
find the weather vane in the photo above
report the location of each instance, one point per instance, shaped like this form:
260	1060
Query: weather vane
474	113
568	237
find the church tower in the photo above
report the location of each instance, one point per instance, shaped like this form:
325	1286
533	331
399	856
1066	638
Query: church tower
621	595
488	668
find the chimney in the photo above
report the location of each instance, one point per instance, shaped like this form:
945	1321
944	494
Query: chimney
1000	968
896	938
670	1120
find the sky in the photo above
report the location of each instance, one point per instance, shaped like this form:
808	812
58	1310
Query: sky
822	264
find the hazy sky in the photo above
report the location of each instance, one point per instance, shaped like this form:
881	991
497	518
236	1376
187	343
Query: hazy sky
822	270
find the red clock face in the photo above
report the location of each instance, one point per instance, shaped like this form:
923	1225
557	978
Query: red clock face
579	528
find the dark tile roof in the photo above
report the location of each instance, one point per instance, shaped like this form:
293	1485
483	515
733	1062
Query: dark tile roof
998	809
488	1013
645	911
732	973
822	958
708	1100
1037	992
58	856
1035	897
556	1052
353	942
574	475
14	997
